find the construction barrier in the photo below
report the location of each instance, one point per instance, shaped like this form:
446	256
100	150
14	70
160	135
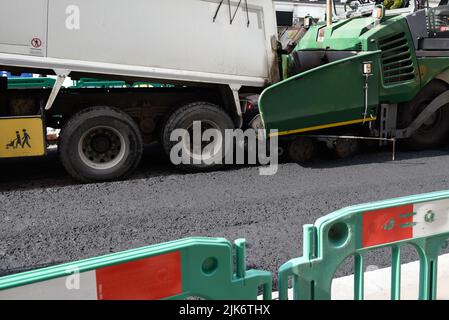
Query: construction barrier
193	267
421	221
204	267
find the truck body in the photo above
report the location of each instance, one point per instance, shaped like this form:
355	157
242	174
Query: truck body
210	54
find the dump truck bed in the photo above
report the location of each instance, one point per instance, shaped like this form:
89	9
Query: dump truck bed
185	41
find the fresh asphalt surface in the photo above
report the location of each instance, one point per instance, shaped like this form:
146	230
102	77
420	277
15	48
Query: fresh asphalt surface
47	218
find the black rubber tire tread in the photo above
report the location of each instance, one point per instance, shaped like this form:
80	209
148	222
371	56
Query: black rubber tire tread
425	140
186	115
91	117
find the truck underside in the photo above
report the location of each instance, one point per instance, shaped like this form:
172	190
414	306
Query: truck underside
147	106
104	127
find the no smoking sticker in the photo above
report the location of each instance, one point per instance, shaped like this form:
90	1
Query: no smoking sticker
36	42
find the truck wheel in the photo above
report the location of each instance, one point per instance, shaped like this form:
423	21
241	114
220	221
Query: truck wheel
345	148
301	150
100	144
210	117
434	132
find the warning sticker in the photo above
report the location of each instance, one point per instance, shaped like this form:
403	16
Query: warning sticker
36	43
21	137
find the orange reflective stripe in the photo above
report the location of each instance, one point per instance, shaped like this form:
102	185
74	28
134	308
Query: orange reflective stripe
387	225
150	278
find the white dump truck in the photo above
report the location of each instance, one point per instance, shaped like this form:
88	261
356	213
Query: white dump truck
214	53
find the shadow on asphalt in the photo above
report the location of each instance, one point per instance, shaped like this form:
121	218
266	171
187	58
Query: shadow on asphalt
33	173
402	157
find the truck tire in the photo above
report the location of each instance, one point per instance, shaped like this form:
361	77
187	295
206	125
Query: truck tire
211	117
346	148
100	144
434	132
302	150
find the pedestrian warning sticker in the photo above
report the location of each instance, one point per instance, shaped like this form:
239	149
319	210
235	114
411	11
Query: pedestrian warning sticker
21	137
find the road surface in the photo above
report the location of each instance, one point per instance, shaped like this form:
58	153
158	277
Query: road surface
47	218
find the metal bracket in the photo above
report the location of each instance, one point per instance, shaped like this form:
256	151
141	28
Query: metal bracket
235	93
388	117
367	72
232	16
61	76
436	104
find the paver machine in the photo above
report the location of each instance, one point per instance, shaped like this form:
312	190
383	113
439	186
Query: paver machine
371	73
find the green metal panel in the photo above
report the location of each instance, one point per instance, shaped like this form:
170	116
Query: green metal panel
430	67
344	233
351	34
342	35
151	85
206	266
327	94
98	83
42	83
30	83
361	34
401	90
332	93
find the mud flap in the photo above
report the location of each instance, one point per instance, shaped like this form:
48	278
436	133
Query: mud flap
22	137
326	96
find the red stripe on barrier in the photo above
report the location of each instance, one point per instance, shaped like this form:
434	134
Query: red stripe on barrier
387	225
151	278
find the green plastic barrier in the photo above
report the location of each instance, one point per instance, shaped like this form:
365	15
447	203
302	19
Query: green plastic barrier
193	267
421	221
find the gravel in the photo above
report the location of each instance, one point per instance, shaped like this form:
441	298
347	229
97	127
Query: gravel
47	218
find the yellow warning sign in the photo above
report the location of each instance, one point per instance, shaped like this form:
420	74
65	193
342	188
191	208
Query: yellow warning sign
21	137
